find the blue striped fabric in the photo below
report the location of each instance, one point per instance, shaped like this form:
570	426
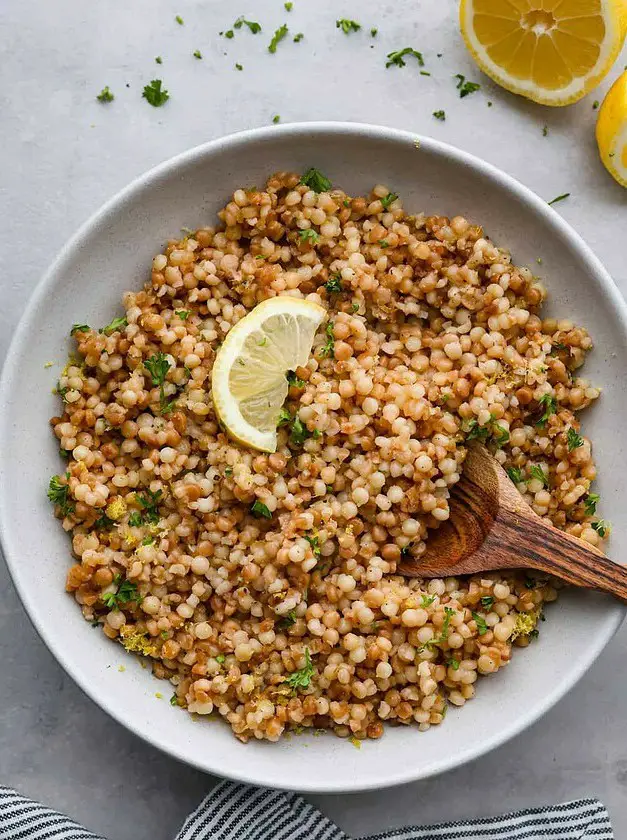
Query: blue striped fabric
240	812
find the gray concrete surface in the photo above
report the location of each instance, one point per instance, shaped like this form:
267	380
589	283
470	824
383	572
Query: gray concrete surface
63	154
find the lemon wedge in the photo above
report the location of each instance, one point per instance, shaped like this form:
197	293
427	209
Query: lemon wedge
249	383
612	130
551	51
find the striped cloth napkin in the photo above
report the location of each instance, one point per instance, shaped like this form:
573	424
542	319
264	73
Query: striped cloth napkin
240	812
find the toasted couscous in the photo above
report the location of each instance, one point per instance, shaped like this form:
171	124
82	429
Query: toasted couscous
264	586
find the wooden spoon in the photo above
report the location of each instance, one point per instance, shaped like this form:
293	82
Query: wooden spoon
492	527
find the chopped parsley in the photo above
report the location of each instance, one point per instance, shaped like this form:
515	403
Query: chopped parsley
464	87
179	20
298	37
115	325
183	314
239	66
197	54
124	594
590	503
288	7
149	504
388	199
500	435
516	474
158	367
76	328
482	627
573	439
135	519
278	36
299	432
545	130
487	602
220	659
251	24
58	494
493	430
287	620
334	283
148	540
427	600
406	550
105	95
158	59
260	510
453	663
309	235
383	243
347	26
443	635
276	119
300	679
155	94
314	542
229	34
174	700
294	380
558	198
595	104
549	404
602	527
373	32
329	347
397	58
228	471
538	473
315	180
440	115
103	523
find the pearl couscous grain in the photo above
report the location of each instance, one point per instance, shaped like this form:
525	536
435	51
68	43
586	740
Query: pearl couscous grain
264	587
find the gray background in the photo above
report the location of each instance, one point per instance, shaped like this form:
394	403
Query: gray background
63	154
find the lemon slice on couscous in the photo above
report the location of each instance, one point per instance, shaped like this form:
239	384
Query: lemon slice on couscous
249	383
612	130
551	51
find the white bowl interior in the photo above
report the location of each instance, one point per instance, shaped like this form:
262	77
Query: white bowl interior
112	253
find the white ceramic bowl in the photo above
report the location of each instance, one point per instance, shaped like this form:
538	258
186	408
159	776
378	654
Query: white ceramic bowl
111	253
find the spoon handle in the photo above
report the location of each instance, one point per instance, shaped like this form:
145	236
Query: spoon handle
573	561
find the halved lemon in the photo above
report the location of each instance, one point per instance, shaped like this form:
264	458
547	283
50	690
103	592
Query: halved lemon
551	51
612	130
249	383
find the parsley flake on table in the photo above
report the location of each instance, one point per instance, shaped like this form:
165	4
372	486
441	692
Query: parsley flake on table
347	26
573	439
298	37
251	24
105	95
315	180
197	54
558	198
397	57
288	7
158	59
595	104
300	679
179	20
239	67
464	87
278	36
440	115
276	119
155	94
487	602
373	32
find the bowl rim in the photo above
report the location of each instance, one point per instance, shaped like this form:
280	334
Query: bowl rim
145	181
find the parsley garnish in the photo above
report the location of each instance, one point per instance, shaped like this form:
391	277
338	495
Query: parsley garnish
545	131
150	507
549	404
298	37
124	594
309	235
287	620
276	119
373	32
220	659
388	199
347	26
228	471
498	433
427	600
115	325
397	57
197	54
334	283
183	314
515	473
384	243
537	472
329	347
105	95
595	104
487	601
288	7
179	20
154	94
574	440
103	523
251	24
482	627
440	115
453	663
558	198
314	542
300	679
465	88
174	700
239	66
58	494
294	380
277	38
135	519
602	527
299	432
590	503
315	180
229	34
76	328
259	510
158	367
159	60
148	540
